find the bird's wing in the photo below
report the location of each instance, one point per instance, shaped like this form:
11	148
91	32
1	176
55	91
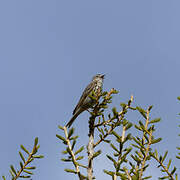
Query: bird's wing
86	92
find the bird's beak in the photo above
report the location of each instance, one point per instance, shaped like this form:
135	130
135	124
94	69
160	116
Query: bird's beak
102	76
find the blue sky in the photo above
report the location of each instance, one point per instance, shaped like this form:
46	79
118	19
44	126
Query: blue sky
51	49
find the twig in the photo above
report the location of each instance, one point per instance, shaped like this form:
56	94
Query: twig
26	162
127	173
72	154
164	167
149	142
24	166
113	126
106	98
121	147
148	145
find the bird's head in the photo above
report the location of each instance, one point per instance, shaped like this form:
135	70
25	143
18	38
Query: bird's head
98	77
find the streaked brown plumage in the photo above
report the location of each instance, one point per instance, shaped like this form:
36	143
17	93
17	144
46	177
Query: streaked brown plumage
85	101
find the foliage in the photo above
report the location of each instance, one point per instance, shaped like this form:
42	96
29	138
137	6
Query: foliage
25	170
132	154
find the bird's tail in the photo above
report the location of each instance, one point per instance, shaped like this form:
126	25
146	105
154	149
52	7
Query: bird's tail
73	118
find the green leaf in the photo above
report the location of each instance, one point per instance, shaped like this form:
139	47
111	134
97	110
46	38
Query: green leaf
97	153
178	157
33	167
81	165
136	158
60	127
139	154
73	144
114	148
141	125
104	93
24	176
136	146
115	91
34	150
92	96
114	111
106	140
123	105
142	111
147	177
68	150
138	127
37	147
169	163
79	150
70	171
164	156
21	164
70	133
116	135
24	149
65	160
127	150
156	153
61	138
109	172
3	178
110	158
156	140
32	159
79	158
138	142
22	157
150	107
13	170
164	177
128	137
12	174
178	98
100	136
64	152
124	122
173	171
74	138
155	120
129	126
132	108
38	157
28	172
36	141
100	130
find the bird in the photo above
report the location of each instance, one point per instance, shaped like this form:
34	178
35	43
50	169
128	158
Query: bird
85	102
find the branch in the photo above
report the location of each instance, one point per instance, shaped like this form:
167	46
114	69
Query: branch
121	147
24	168
148	145
127	173
113	126
90	148
72	154
105	99
164	167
